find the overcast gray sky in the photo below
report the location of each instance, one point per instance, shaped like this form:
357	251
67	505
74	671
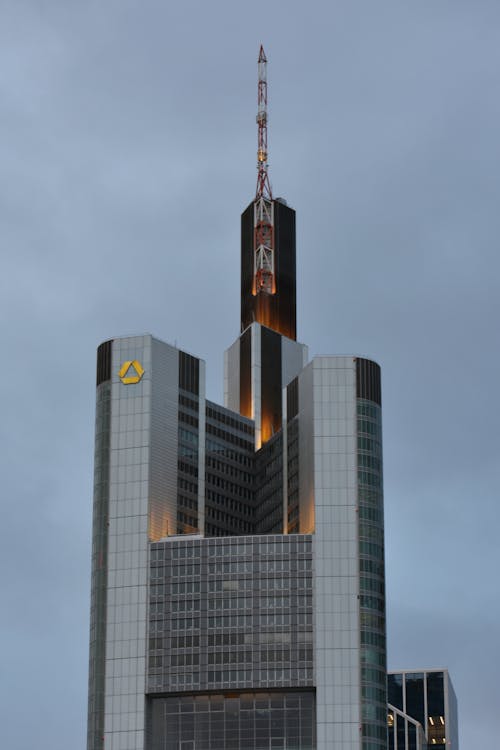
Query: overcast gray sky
127	152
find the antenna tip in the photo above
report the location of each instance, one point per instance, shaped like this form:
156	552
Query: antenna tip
262	55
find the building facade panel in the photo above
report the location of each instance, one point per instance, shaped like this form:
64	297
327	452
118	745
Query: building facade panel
130	463
255	390
231	614
229	473
337	653
305	446
247	721
294	358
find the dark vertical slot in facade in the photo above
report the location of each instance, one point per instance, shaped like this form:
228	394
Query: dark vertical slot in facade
271	407
189	373
99	585
286	273
276	311
368	380
104	362
247	250
269	487
187	464
188	444
292	399
246	374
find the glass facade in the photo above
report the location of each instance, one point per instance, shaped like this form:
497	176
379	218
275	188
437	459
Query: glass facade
232	613
395	690
229	473
371	575
404	733
269	487
428	698
237	721
243	487
187	463
415	695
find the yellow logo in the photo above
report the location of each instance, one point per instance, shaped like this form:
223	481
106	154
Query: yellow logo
131	372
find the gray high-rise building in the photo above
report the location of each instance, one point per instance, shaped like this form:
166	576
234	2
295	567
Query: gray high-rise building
238	598
237	594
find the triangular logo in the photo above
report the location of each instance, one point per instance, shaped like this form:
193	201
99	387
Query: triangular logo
131	372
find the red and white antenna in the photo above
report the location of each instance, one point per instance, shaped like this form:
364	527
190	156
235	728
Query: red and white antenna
263	277
263	185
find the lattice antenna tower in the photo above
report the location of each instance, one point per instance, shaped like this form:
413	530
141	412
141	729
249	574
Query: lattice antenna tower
264	273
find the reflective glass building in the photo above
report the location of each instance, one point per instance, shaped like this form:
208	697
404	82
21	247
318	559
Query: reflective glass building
404	732
428	697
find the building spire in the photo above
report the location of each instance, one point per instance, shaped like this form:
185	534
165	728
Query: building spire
263	184
263	273
268	270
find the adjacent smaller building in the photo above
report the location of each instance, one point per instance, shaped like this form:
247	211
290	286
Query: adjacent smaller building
403	732
427	697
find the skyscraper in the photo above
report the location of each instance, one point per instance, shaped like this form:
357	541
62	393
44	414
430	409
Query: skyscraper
238	551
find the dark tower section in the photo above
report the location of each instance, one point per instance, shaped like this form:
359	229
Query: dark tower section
245	374
271	383
278	310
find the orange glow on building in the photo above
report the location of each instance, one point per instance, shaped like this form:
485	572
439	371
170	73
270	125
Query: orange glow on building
160	524
307	518
266	313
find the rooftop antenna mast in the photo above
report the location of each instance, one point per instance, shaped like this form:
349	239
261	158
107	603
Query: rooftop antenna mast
263	184
264	277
